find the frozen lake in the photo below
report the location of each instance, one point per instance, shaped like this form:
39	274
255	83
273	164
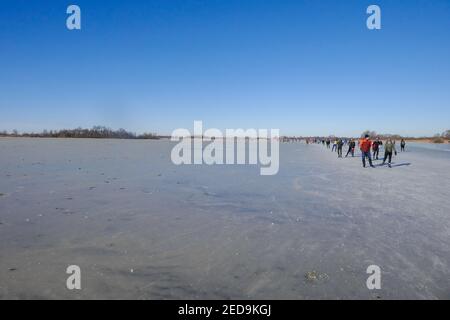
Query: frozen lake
140	227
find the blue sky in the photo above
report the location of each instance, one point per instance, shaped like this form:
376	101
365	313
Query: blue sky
305	67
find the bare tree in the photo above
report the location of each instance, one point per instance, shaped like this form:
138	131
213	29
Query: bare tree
446	134
371	134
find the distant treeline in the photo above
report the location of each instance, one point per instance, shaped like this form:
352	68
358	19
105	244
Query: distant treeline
373	134
437	138
97	132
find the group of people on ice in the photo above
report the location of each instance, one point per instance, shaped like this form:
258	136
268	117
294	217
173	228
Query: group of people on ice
366	145
370	150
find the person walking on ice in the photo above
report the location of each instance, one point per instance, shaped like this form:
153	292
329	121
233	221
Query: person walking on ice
351	148
376	148
334	148
365	146
389	148
340	145
402	145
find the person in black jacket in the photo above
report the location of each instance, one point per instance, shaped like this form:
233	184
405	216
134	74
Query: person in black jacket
402	145
351	148
376	148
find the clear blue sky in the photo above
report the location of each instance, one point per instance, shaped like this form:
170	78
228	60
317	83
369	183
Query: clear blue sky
305	67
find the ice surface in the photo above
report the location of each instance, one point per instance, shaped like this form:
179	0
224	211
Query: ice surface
142	228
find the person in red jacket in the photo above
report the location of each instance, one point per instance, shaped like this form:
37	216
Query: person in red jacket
365	145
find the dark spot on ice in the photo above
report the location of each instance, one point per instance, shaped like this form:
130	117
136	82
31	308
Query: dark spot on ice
311	276
12	269
1	194
314	276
